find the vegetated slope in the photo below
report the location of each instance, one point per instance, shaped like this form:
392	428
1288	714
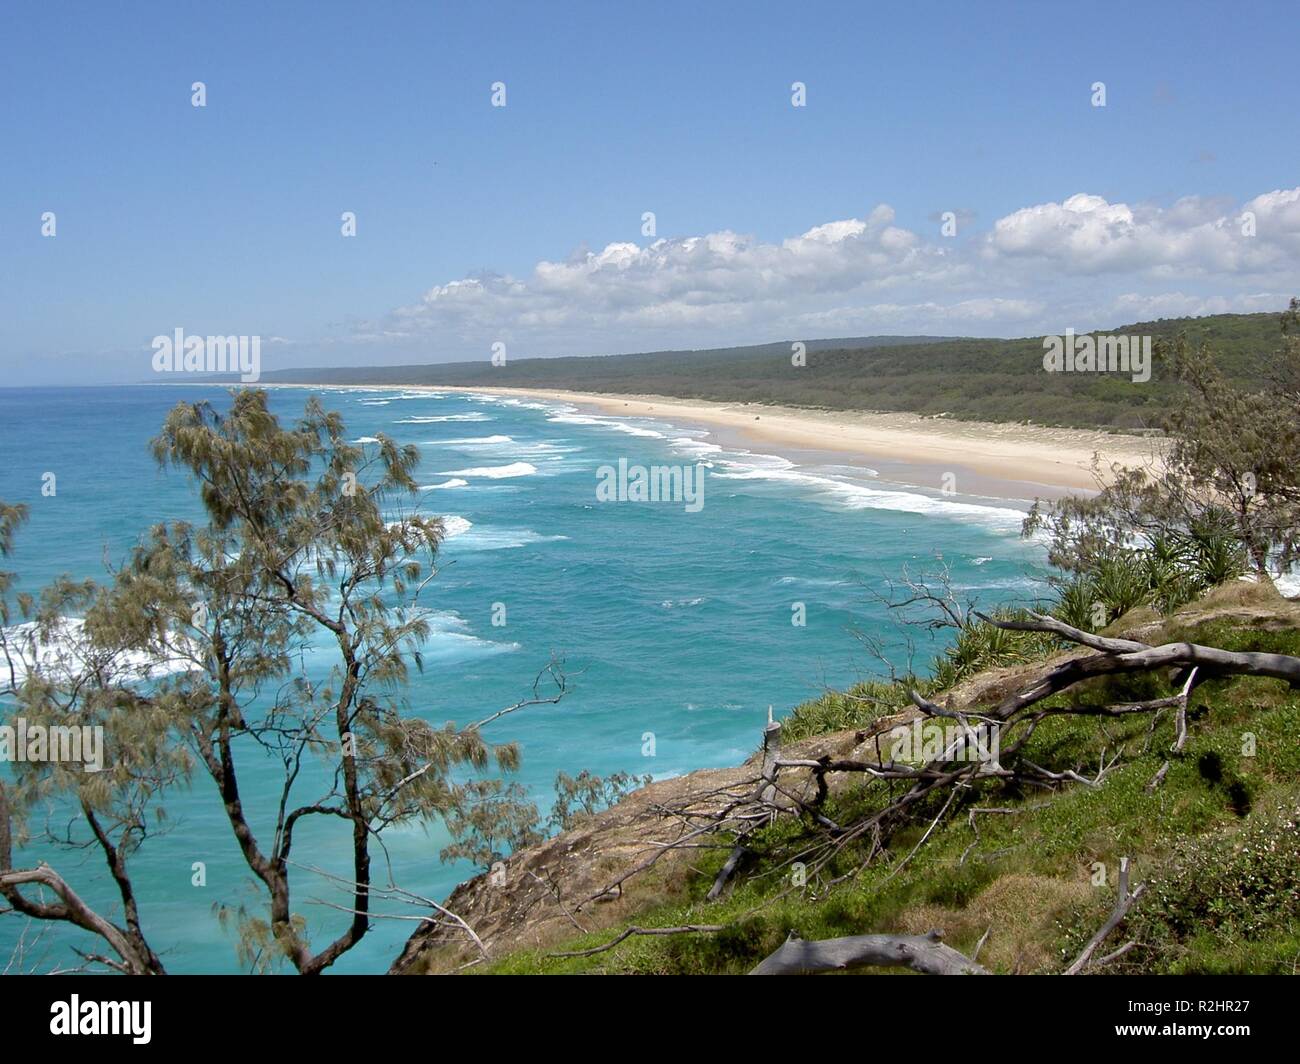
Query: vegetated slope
983	379
1217	842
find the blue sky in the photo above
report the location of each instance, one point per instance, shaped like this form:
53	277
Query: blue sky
524	223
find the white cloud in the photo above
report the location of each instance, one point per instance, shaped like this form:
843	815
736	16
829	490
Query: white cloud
1084	258
1196	236
1134	306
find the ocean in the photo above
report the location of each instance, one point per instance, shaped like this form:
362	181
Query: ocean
671	620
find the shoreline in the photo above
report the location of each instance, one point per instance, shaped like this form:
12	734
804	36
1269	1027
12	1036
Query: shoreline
1000	460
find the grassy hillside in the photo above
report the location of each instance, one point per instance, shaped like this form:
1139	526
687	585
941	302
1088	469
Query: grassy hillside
982	379
1218	843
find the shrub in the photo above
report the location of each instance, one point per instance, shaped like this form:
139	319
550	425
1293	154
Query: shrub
1243	886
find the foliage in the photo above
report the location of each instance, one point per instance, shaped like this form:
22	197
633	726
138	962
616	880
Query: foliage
1166	573
980	379
1028	879
1242	885
1228	485
306	539
488	819
587	794
858	707
980	646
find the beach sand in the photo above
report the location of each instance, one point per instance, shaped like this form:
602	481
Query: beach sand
993	460
997	460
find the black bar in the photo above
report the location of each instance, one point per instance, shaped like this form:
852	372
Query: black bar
335	1013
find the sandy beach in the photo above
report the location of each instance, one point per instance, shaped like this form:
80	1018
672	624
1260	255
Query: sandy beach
975	458
1004	460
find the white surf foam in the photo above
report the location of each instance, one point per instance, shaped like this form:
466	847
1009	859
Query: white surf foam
697	449
435	419
471	537
607	422
812	581
861	497
449	639
63	652
504	539
454	525
524	404
470	441
514	469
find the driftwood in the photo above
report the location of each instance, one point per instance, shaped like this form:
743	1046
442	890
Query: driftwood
1122	905
767	796
738	853
628	932
921	953
1180	726
1015	718
1128	655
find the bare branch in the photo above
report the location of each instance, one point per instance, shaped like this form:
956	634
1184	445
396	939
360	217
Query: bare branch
1123	903
630	931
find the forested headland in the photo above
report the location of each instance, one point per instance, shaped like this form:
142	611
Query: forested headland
967	378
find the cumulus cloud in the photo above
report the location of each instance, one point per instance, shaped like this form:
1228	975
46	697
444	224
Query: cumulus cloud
1196	236
1084	257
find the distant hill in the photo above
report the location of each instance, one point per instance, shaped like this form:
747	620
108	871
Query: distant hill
984	379
574	365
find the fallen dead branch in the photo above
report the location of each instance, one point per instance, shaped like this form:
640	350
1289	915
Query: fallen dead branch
628	932
1123	903
954	769
794	786
921	953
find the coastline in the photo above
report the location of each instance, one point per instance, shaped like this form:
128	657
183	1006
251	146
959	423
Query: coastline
985	459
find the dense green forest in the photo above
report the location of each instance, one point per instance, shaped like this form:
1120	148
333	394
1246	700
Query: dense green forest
980	379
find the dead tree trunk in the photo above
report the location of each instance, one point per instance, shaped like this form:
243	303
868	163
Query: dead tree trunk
1123	903
767	795
921	953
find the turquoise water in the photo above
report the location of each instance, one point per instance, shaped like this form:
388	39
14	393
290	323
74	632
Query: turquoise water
670	622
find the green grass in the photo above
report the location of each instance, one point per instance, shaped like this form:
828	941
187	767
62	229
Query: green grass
1218	845
858	707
